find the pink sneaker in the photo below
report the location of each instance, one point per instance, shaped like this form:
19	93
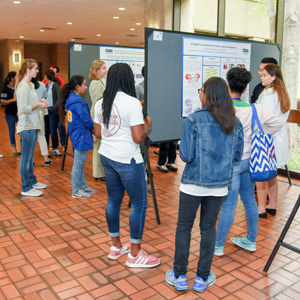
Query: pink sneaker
115	254
142	260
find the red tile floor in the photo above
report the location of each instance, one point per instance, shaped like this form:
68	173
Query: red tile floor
55	247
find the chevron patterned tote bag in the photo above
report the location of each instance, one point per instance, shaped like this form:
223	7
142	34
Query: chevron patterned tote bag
262	158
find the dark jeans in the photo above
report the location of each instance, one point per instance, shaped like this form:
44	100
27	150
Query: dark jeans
11	121
51	125
28	143
188	206
167	151
62	133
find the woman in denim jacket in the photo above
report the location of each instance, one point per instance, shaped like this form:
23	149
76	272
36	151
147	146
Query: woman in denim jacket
211	143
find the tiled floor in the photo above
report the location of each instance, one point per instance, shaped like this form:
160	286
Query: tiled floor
55	247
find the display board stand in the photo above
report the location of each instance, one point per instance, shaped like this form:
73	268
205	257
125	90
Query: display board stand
280	241
145	153
66	152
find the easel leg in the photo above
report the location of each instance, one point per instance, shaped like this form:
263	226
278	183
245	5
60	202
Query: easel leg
282	235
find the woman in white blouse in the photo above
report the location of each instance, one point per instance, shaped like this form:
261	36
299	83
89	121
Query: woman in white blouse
275	99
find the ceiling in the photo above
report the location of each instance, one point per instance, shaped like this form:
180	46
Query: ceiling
88	17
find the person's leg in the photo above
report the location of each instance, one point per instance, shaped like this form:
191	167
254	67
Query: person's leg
62	133
163	153
53	122
262	192
228	208
11	123
210	207
42	139
98	171
28	142
273	192
188	206
248	199
47	128
115	194
172	152
133	177
78	179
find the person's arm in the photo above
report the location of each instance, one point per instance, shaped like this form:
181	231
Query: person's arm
6	102
96	90
187	142
88	122
97	132
55	94
240	143
139	132
7	94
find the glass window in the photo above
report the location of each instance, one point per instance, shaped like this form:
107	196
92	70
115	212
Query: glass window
252	19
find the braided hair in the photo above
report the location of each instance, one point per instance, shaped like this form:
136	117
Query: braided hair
119	77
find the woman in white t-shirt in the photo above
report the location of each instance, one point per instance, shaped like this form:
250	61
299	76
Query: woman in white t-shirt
120	124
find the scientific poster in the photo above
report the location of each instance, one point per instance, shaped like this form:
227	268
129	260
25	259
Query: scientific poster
132	56
203	59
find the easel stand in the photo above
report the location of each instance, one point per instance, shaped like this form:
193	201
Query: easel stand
280	241
145	153
65	152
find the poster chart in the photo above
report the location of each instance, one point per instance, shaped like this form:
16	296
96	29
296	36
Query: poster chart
202	59
134	57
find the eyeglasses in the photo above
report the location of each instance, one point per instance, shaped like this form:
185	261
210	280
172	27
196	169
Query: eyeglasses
200	90
35	68
259	70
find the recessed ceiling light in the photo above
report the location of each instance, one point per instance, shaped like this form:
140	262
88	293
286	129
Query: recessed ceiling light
121	8
42	30
116	17
21	36
117	43
17	2
138	23
98	34
132	29
72	40
69	23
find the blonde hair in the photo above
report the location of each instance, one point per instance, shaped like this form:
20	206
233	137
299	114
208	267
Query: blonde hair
28	63
96	64
279	87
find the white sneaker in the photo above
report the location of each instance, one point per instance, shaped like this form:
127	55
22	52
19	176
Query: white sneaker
39	185
56	152
33	192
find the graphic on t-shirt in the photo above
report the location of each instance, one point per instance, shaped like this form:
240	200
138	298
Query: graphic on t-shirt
114	122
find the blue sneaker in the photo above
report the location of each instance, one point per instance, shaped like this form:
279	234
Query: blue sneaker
219	250
179	283
200	285
244	243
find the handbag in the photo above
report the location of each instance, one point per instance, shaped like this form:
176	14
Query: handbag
263	163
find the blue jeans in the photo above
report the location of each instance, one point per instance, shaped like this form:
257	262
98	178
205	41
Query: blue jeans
78	179
11	121
28	143
51	125
188	206
241	184
132	178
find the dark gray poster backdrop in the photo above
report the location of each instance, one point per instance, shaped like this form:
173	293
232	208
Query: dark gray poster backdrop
163	82
80	61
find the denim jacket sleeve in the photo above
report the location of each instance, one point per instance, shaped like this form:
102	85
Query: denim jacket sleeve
240	143
187	142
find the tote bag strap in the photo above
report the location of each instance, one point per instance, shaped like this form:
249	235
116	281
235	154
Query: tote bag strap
255	119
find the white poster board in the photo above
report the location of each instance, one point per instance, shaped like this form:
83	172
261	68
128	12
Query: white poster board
202	59
132	56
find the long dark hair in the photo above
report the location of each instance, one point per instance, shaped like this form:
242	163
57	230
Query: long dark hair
65	91
9	77
119	76
36	83
279	87
219	103
50	74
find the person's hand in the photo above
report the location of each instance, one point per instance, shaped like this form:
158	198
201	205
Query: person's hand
43	103
148	121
